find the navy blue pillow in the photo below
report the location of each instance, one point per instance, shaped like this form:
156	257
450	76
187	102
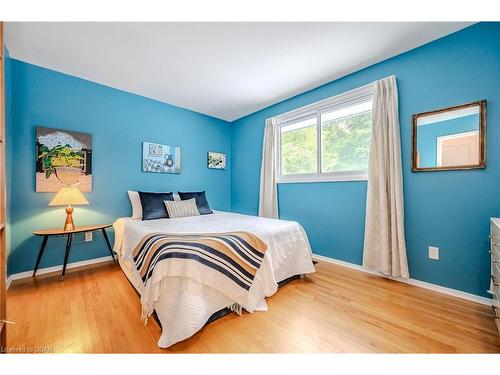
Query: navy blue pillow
201	201
153	206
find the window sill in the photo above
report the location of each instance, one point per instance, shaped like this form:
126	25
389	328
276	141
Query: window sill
334	177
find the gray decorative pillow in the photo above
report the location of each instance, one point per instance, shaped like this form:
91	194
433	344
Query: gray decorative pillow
182	208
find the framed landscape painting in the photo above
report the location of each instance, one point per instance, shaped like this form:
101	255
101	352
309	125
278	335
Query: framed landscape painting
161	158
63	158
216	160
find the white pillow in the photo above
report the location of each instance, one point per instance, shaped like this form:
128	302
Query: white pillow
135	201
182	208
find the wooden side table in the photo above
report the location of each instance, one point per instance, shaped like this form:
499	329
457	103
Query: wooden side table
46	233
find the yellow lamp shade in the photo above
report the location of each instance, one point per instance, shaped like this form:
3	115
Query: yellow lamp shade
69	196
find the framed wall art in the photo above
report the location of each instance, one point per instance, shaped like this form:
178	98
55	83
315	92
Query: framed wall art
159	158
63	158
216	160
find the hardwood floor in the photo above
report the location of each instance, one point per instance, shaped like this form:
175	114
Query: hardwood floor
336	309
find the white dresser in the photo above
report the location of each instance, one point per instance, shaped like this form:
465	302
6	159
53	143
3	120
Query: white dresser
495	268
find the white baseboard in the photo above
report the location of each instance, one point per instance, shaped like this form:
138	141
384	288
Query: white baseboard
422	284
41	271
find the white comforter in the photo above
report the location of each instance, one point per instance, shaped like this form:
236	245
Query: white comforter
186	305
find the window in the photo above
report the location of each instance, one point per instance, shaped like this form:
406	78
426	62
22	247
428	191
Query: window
299	147
326	141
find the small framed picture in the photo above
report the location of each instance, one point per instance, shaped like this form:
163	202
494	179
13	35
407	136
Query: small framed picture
216	160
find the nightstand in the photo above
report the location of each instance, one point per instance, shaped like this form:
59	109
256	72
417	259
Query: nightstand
46	233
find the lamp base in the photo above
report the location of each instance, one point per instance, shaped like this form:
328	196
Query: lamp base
68	224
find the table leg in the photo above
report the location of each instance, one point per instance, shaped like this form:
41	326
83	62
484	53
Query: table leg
68	247
40	253
109	245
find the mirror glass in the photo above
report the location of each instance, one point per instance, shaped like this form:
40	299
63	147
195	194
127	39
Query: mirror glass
450	138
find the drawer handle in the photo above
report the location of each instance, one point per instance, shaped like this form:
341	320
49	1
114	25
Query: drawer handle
495	312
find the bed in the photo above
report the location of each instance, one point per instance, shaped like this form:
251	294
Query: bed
186	305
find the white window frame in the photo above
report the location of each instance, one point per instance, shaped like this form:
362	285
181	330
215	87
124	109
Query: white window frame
337	102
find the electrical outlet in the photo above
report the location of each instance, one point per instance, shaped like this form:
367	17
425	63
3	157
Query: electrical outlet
433	252
88	236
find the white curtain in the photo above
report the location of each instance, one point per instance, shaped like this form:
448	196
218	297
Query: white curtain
268	198
385	248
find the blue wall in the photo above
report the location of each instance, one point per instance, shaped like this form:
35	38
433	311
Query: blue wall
119	122
8	140
428	134
449	209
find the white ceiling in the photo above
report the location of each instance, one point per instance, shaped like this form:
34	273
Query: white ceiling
226	70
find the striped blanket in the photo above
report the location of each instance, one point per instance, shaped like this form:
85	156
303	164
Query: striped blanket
226	262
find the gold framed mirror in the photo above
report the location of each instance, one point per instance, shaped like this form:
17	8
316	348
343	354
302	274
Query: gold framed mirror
450	138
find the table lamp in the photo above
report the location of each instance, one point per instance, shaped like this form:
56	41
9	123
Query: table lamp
69	196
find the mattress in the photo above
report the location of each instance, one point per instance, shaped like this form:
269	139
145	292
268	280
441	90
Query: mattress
186	305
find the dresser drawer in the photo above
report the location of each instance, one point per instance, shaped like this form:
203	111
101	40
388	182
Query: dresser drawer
495	260
495	244
495	298
495	234
496	312
495	282
495	269
495	291
495	222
